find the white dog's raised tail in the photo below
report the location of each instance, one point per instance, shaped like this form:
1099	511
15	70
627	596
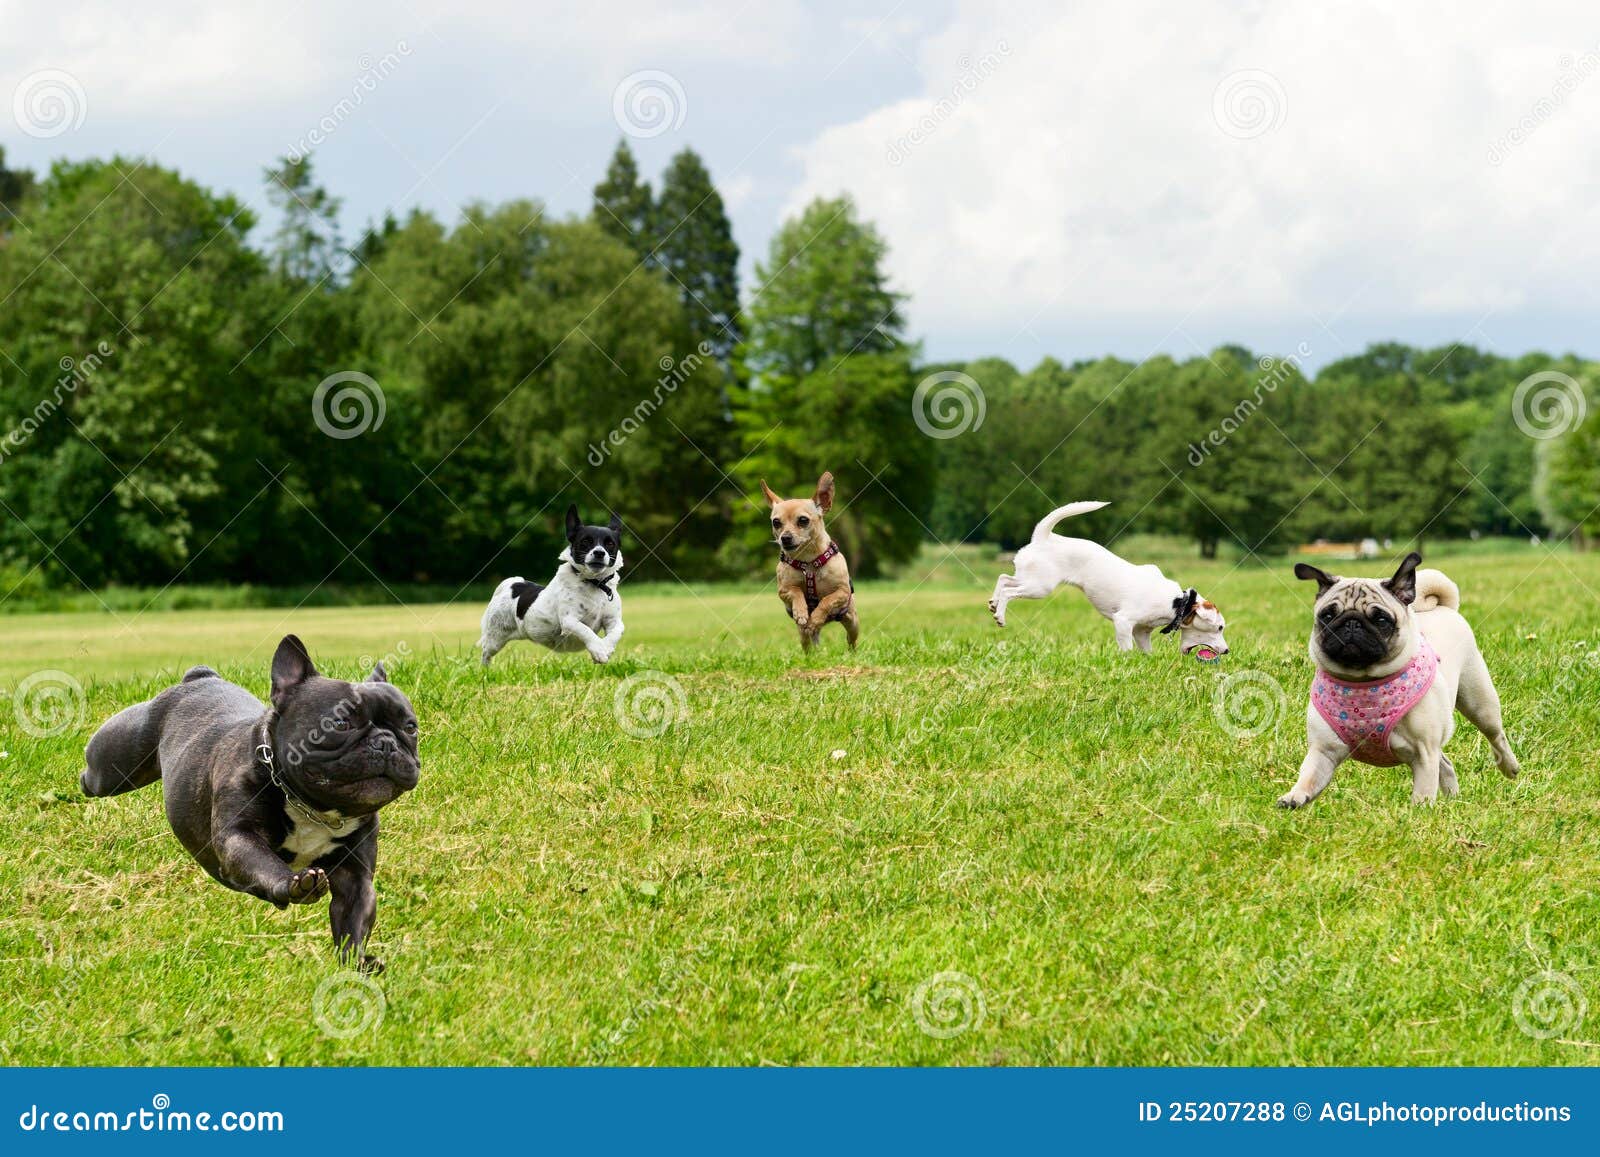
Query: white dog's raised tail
1047	524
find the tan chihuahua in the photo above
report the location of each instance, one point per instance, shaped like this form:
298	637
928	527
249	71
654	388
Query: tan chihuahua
813	578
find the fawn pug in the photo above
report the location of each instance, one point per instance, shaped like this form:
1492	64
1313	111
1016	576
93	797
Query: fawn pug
813	577
1395	661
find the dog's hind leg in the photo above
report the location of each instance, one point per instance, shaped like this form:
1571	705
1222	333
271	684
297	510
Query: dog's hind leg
1477	699
852	626
123	754
1449	787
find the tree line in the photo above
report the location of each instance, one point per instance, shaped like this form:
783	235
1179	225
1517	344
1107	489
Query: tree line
180	402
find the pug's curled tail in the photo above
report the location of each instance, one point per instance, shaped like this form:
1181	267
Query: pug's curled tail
1070	510
1435	590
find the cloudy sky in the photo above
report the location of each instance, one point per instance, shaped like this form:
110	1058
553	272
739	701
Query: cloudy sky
1066	179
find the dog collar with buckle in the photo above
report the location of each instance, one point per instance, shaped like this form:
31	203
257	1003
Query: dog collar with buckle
601	583
809	569
294	803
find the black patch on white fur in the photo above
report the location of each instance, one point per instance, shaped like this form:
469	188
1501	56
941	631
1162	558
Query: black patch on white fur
525	594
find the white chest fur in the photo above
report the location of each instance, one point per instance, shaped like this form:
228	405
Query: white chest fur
307	841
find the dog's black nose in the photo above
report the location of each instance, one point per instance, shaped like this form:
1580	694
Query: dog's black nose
787	540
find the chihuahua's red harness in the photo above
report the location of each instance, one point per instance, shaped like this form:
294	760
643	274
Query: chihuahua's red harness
810	569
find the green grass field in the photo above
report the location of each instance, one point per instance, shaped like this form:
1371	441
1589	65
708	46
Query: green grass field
957	846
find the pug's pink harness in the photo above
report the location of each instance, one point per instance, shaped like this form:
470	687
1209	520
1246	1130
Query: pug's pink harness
1363	715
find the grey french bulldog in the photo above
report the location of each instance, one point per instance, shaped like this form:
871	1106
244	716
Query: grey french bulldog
279	802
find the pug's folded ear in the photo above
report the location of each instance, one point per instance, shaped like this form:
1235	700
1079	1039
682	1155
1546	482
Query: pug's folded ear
291	666
1403	585
1304	570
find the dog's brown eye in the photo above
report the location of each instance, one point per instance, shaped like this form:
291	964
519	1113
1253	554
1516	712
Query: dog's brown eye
777	522
1381	619
802	521
1327	614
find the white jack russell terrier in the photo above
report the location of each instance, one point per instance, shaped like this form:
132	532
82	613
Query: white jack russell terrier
1137	599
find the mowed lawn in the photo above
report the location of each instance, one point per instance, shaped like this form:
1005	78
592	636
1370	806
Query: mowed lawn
960	845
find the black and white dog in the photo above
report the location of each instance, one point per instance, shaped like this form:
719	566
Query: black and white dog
580	604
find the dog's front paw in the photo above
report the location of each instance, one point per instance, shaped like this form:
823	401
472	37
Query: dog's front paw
1294	799
370	965
602	653
1424	798
306	887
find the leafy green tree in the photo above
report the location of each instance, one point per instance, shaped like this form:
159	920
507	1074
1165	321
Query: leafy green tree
15	186
694	245
623	206
858	423
823	295
539	367
306	246
124	324
1568	476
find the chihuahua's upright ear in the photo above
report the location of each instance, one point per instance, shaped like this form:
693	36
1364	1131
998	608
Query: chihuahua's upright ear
824	495
573	522
291	666
615	525
1403	585
772	499
1304	570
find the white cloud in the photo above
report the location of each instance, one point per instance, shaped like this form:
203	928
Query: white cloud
1087	176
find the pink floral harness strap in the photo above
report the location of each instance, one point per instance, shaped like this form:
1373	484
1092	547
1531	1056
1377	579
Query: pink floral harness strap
1363	715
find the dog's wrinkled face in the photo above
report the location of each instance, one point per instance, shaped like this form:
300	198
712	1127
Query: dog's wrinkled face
344	747
596	549
797	522
1361	624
